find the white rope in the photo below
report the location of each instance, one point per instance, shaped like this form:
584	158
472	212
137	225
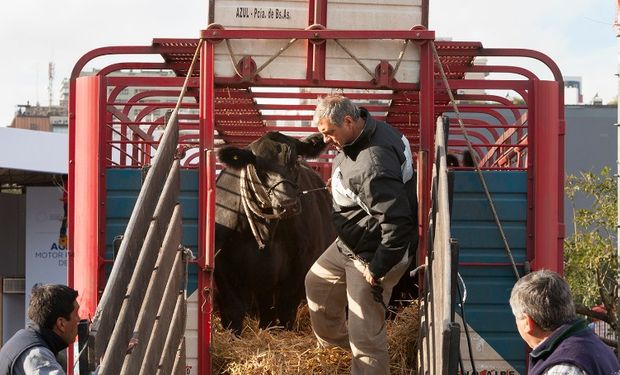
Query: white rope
250	187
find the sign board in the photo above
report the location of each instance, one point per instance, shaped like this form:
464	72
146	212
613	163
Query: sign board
46	255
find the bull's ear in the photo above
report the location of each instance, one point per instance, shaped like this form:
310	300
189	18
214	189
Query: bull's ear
311	146
236	157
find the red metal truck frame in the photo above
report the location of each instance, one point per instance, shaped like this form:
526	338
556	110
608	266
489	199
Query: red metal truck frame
90	134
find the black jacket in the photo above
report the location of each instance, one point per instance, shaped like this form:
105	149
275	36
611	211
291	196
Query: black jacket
374	192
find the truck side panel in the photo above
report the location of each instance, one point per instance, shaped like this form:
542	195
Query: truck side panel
486	269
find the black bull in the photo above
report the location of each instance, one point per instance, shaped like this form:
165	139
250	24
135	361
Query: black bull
262	269
261	263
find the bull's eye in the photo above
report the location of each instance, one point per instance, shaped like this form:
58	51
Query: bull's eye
278	148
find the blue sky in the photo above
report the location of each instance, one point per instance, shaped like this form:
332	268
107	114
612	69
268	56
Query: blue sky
577	34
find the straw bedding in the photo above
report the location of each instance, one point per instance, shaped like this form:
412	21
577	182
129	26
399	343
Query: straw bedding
277	351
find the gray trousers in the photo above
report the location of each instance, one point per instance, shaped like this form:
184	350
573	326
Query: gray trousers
336	281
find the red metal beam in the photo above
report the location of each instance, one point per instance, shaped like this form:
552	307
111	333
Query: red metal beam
426	145
548	233
315	35
88	183
206	205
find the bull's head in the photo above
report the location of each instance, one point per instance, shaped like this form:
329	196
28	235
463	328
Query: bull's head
274	157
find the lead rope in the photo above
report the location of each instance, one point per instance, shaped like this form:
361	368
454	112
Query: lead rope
250	185
473	154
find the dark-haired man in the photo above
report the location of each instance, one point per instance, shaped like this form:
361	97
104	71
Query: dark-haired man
546	320
53	313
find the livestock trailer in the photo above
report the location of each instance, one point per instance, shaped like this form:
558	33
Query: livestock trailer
259	66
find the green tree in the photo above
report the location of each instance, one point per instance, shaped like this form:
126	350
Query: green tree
589	253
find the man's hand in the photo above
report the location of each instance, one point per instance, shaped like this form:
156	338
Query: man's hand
376	288
368	276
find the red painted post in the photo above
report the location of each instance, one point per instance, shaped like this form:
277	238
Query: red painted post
206	203
427	132
309	45
85	194
548	174
320	50
86	180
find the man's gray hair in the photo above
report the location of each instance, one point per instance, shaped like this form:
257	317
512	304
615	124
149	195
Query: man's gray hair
334	108
545	297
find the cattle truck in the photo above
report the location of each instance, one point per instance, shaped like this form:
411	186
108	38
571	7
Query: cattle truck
145	126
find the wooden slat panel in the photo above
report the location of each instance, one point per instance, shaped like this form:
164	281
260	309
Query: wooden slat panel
114	293
175	335
154	294
122	333
164	315
438	315
179	367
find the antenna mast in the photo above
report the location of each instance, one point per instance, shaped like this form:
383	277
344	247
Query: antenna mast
51	71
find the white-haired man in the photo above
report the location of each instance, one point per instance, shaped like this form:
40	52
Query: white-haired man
375	214
561	343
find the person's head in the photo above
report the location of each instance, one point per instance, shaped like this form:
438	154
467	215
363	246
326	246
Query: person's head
468	159
55	307
541	302
336	118
452	160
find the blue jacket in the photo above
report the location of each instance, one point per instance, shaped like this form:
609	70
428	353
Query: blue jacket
574	343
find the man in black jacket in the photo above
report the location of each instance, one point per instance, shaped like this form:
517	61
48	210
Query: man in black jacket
375	214
53	312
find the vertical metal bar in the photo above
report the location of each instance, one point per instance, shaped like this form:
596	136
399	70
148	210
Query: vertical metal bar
425	8
427	125
82	341
529	164
105	135
454	270
617	29
320	53
310	46
206	204
560	165
454	349
84	198
211	14
106	143
70	201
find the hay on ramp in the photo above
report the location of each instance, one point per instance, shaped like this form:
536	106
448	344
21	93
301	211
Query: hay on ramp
276	351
